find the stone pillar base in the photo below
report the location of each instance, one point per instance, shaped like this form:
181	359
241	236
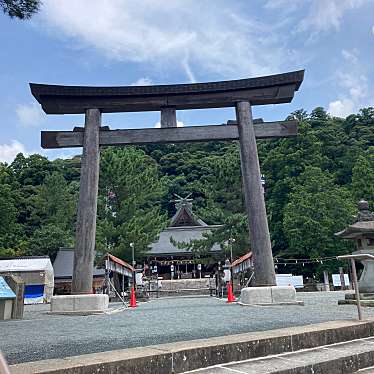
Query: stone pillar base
79	304
272	295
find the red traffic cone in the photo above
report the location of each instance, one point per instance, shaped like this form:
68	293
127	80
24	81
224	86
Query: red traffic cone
133	299
230	295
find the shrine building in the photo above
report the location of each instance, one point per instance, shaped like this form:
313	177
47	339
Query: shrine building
173	260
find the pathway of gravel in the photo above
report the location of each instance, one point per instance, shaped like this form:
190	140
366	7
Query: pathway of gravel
40	336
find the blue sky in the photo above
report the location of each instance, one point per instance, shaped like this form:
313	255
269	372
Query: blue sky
123	42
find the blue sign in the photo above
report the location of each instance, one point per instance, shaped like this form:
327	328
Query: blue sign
5	291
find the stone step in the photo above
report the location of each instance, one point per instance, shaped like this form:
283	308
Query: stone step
341	358
369	370
368	303
363	296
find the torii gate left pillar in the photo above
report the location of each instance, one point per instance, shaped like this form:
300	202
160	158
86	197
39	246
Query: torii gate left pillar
87	206
240	94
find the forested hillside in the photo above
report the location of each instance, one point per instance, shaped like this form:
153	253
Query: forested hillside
313	183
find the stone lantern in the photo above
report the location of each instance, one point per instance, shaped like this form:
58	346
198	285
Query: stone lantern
362	232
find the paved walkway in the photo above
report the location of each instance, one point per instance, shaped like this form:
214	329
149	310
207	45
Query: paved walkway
40	336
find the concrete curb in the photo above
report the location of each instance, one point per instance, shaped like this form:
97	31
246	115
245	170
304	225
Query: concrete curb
300	303
190	355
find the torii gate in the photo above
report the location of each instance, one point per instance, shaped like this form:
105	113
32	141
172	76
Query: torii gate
241	94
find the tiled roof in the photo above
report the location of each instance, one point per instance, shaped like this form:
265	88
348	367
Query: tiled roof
63	264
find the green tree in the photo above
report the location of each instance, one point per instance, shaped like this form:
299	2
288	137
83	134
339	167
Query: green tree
21	9
317	209
47	240
10	230
54	203
220	188
52	216
281	162
363	180
131	189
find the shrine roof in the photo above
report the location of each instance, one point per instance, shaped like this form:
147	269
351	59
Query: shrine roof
180	234
241	259
271	89
357	230
63	264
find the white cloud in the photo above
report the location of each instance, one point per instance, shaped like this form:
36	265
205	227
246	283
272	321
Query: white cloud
324	15
350	56
142	82
188	70
30	115
186	35
9	151
286	6
352	80
341	108
179	124
355	83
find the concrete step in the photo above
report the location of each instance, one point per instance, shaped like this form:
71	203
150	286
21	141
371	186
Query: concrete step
369	370
341	358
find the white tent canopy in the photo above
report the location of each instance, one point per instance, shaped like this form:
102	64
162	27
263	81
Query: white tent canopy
26	267
26	264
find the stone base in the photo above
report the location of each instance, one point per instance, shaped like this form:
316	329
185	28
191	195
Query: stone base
272	295
366	299
363	296
353	302
79	304
366	281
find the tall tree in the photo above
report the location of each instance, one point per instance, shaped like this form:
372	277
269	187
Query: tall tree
220	187
363	180
317	209
131	189
53	215
11	232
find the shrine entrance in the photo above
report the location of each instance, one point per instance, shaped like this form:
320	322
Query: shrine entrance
241	94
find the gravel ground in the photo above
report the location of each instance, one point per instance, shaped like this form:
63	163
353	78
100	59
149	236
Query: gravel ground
41	336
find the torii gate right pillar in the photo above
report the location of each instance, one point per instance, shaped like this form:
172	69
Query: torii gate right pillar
264	274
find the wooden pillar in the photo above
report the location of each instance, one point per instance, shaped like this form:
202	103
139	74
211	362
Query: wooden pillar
87	206
342	280
264	274
168	117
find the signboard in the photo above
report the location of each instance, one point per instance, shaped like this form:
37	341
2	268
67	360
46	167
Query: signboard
290	280
5	291
227	276
336	280
139	279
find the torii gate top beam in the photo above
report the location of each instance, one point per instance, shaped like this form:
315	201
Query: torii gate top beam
272	89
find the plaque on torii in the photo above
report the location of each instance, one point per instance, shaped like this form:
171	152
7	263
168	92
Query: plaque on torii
241	94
